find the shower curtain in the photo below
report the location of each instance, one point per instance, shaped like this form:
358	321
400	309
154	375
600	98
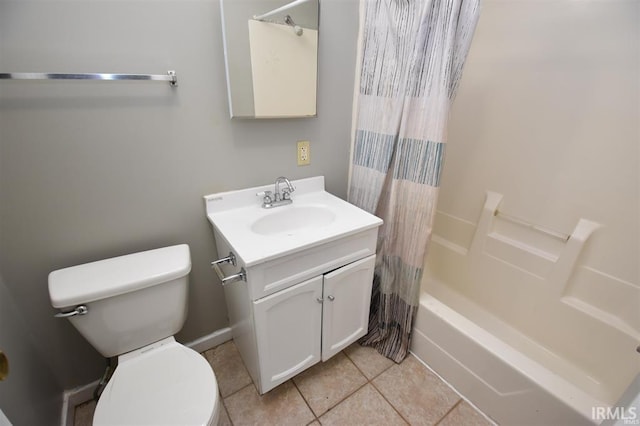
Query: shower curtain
411	56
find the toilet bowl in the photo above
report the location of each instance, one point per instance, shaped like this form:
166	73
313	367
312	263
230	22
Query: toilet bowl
161	384
130	307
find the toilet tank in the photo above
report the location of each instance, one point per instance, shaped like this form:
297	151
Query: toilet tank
132	300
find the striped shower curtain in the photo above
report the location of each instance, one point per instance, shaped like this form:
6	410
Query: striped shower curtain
411	56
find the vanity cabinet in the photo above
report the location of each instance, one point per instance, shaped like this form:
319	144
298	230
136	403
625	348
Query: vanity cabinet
311	321
295	311
297	278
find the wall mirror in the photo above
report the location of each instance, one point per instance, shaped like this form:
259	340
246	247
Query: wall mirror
271	57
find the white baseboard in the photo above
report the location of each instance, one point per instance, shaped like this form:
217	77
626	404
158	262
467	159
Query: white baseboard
212	340
84	393
74	397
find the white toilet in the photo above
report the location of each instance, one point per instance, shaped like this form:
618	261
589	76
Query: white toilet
130	307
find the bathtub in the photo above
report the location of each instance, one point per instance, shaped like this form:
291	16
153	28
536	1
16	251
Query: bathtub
503	380
504	323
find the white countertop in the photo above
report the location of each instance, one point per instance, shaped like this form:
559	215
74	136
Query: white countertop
233	213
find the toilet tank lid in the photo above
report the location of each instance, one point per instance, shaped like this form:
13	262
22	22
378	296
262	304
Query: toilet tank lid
110	277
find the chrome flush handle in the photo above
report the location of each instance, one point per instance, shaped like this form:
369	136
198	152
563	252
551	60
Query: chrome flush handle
79	310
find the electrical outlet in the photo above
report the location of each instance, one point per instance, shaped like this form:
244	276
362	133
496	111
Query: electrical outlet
304	153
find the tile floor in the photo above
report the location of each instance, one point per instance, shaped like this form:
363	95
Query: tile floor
356	387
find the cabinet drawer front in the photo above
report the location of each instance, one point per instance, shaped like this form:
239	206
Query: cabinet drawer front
347	297
288	332
273	276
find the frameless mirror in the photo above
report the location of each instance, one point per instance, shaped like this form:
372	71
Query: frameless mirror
271	57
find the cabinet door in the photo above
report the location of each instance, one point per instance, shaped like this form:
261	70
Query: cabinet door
288	332
347	296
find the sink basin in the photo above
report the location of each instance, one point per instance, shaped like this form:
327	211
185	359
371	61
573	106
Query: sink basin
290	218
258	235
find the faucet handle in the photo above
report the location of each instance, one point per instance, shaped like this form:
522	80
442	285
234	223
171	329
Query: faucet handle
266	196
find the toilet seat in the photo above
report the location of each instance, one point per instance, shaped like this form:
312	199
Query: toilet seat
164	383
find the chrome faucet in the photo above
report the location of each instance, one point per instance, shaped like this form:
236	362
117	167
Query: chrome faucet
279	198
286	193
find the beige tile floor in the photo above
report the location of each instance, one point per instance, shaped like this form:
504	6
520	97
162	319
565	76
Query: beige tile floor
356	387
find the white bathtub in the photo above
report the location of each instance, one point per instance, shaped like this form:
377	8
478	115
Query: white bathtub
498	323
503	381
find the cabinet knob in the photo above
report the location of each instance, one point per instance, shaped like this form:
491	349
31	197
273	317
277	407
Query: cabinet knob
331	298
319	300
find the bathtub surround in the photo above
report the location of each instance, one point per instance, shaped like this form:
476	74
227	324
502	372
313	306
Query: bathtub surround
412	55
529	326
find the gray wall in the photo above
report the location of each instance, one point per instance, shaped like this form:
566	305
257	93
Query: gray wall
90	170
30	394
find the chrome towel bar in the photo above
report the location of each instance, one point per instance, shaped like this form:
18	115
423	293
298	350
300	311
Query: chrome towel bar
171	76
231	258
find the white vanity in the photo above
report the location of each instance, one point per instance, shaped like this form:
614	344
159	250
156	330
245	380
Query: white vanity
297	276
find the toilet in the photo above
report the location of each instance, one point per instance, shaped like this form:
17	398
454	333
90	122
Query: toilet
130	307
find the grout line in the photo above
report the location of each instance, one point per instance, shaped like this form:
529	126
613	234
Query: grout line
370	381
341	400
362	372
238	390
295	385
245	369
344	399
367	382
357	389
224	407
389	402
450	410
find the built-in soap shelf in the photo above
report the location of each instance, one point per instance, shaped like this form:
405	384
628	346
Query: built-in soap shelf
543	252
